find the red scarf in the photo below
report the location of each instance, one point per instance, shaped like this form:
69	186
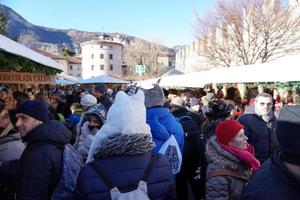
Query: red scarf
246	155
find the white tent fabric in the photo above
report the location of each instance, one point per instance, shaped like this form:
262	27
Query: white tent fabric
66	80
103	79
172	72
284	69
18	49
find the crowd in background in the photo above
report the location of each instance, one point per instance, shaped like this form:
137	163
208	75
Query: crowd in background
223	147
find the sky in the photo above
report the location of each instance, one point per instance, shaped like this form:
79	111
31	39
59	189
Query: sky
168	21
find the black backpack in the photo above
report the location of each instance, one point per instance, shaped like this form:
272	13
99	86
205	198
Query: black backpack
191	136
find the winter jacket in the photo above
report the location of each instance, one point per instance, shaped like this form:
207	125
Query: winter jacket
40	165
11	146
105	101
99	108
191	154
91	187
273	181
85	140
224	187
260	134
163	124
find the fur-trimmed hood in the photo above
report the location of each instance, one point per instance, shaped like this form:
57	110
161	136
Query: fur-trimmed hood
217	158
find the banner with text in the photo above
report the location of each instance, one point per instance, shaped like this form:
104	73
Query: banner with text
26	78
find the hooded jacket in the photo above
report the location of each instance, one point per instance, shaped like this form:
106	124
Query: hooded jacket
224	187
163	124
40	165
11	146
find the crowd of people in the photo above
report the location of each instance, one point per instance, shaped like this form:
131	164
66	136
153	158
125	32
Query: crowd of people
151	143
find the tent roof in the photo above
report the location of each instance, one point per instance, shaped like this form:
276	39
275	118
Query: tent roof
172	72
284	69
10	46
103	79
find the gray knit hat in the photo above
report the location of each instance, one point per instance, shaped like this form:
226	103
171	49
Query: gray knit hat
288	133
154	96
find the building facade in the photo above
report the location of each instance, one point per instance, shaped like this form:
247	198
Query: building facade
71	65
102	57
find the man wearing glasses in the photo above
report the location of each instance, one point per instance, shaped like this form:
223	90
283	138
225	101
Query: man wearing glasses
260	127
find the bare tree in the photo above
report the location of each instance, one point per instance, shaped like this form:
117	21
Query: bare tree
144	53
249	31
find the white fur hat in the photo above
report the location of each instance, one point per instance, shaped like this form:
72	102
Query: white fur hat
127	116
88	100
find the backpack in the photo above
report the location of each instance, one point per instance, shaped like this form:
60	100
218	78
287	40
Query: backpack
171	150
140	193
191	136
72	163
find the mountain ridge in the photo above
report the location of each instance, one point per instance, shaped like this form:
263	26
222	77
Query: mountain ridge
53	39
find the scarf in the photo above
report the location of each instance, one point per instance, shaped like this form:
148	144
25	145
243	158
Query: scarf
246	156
119	144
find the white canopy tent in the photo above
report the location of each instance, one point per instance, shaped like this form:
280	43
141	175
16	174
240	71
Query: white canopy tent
103	79
284	69
10	46
66	80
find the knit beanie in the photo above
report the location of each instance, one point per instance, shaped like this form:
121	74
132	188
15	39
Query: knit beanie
154	96
101	88
36	109
227	130
288	133
88	100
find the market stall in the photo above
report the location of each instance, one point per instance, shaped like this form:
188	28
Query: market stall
24	67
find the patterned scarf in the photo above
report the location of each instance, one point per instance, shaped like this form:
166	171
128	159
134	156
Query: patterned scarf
119	144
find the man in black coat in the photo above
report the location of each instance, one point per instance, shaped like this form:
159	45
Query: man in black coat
191	123
100	92
40	166
279	177
260	127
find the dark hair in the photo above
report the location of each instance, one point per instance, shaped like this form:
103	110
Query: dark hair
218	109
20	97
2	105
230	93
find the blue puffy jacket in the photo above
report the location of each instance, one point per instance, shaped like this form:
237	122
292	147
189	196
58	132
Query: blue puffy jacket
260	134
163	124
125	172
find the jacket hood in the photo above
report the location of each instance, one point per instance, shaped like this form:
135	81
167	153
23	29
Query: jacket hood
10	137
51	131
217	158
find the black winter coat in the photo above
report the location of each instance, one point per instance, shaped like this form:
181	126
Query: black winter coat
273	181
260	134
40	165
104	100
